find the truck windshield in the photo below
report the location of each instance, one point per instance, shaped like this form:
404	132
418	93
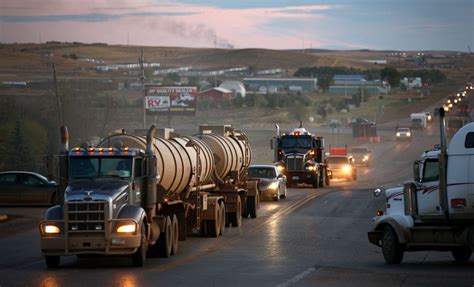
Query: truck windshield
296	142
87	167
337	160
261	172
431	170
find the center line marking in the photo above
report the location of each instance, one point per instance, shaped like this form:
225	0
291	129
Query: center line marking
297	277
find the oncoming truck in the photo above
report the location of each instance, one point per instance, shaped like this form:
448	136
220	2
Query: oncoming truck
436	210
300	156
135	195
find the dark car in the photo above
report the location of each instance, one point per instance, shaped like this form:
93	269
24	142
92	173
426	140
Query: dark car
271	183
361	155
22	187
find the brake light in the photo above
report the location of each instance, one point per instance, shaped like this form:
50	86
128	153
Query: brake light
379	213
458	203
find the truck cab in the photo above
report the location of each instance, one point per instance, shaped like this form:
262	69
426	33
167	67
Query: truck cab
102	211
299	156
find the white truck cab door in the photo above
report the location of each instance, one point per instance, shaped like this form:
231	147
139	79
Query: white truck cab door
428	192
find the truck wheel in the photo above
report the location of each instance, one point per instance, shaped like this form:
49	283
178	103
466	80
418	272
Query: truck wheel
315	182
52	261
175	230
322	181
139	257
391	248
461	254
214	226
223	218
182	226
252	206
354	176
235	218
328	180
165	242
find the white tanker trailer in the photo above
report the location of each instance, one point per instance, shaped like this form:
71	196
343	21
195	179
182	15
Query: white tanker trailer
139	195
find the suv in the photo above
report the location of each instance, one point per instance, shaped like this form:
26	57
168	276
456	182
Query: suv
361	155
342	167
403	133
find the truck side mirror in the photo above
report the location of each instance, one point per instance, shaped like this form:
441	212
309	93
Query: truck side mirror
377	192
416	171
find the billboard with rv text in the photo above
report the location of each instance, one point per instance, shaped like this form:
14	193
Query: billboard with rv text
179	100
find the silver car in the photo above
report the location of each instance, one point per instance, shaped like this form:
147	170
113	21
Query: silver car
271	183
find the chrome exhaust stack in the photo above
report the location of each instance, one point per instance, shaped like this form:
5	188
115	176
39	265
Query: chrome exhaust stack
443	158
63	163
151	197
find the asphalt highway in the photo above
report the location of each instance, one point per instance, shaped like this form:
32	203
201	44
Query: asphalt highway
315	237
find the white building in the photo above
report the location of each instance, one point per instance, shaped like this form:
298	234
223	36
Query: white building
237	88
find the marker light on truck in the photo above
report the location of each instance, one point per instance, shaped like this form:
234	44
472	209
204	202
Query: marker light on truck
51	229
127	228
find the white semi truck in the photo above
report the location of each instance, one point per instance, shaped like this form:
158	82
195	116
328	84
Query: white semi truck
418	120
436	210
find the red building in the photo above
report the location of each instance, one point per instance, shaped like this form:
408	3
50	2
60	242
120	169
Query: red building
216	94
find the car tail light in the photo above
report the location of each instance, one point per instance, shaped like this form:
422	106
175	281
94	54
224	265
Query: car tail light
379	213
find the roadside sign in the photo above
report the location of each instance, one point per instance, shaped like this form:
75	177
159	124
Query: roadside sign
176	100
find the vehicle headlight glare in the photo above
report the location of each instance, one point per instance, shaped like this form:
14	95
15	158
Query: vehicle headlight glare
127	228
346	169
51	229
273	185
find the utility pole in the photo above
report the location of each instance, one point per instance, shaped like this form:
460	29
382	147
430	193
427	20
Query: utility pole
141	60
58	100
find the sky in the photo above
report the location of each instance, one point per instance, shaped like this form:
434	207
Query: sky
273	24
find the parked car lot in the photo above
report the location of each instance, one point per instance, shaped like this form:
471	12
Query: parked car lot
271	183
22	187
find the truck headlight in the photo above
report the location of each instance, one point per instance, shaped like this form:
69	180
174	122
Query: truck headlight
398	134
273	185
51	229
311	167
280	168
346	169
128	227
366	157
408	134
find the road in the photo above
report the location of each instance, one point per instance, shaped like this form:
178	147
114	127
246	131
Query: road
315	237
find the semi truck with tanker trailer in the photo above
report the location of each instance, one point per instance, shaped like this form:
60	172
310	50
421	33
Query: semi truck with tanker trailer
299	155
138	196
435	211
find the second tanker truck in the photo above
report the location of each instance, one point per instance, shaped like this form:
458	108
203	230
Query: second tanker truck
137	196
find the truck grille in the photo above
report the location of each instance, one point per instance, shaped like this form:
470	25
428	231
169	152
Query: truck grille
295	163
86	216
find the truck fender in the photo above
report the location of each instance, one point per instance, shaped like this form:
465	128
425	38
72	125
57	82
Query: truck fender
400	223
55	213
133	212
212	204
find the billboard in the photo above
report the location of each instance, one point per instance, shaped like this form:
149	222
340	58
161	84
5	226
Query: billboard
179	100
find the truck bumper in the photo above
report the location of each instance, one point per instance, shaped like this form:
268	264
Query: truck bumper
375	237
115	245
105	243
301	176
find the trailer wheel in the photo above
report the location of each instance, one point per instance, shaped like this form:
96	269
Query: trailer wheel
165	242
214	226
52	261
462	254
223	218
252	206
245	210
235	218
391	248
139	257
175	230
182	226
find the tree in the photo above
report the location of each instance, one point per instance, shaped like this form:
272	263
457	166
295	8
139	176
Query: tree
391	75
171	79
324	82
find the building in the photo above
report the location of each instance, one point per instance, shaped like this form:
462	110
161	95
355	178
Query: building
411	83
349	85
215	94
236	87
282	84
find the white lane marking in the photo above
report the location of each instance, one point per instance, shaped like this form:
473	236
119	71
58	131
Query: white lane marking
297	277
